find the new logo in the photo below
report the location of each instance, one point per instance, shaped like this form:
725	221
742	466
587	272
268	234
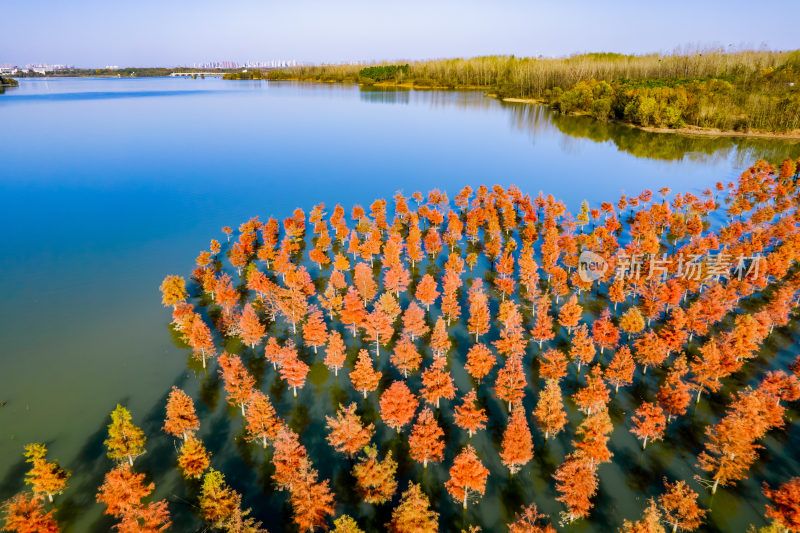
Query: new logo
591	266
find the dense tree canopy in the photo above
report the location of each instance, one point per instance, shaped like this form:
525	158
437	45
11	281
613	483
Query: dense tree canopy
467	337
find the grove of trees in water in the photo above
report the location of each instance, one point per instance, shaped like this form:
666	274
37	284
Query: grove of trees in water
731	91
501	287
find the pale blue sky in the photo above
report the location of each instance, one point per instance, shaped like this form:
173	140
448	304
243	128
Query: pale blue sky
179	32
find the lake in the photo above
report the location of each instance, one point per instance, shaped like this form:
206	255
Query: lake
110	184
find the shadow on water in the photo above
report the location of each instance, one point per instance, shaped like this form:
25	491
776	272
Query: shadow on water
91	464
13	482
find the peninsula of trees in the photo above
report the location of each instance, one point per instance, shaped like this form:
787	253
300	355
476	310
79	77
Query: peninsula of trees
742	92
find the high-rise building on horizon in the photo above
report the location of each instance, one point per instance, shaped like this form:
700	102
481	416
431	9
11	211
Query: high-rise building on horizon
273	63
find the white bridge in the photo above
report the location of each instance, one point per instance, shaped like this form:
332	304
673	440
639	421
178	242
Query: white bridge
190	74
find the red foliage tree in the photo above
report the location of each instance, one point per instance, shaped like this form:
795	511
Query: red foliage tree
413	513
290	460
437	383
620	371
595	394
440	340
649	423
679	504
375	479
553	365
346	433
25	513
426	442
468	415
274	352
649	523
250	328
582	350
364	377
479	316
510	383
674	396
594	433
312	503
199	338
543	325
650	351
315	333
181	418
708	369
427	292
261	419
364	282
414	321
570	313
45	478
576	481
467	476
530	520
122	492
379	329
396	279
193	459
405	356
239	384
604	332
353	311
730	447
480	361
398	405
294	371
517	447
549	410
335	353
785	504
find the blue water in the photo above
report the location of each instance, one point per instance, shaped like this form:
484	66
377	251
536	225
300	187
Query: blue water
107	185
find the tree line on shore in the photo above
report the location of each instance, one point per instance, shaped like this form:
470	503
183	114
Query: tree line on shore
732	91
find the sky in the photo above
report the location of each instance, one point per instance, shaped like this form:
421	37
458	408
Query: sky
95	33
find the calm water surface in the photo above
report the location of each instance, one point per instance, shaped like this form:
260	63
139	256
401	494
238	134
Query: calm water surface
109	184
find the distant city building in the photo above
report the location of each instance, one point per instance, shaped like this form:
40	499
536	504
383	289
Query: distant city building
112	67
44	69
8	69
275	63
